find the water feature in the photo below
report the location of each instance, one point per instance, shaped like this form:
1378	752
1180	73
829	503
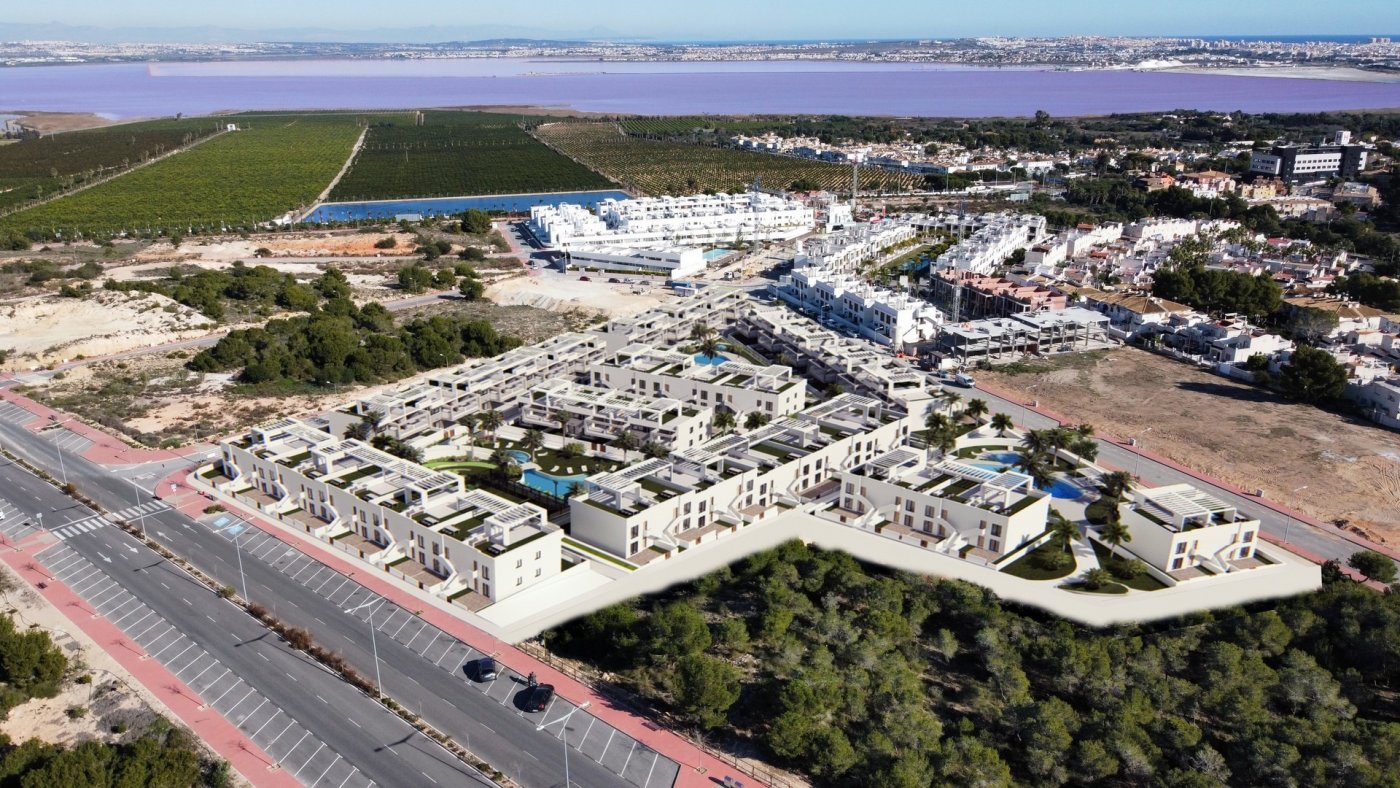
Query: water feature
714	361
446	206
131	90
554	485
715	254
519	456
1003	457
1063	488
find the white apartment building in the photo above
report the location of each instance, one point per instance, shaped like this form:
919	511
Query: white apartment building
1178	527
602	414
1169	230
668	222
417	524
884	316
734	384
989	247
943	504
1071	244
842	251
734	480
1381	399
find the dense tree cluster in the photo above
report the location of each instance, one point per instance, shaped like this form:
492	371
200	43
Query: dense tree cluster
166	757
1379	292
1217	291
341	343
1312	375
31	666
859	677
257	287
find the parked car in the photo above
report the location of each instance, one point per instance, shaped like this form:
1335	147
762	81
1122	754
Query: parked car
585	279
962	379
486	669
540	697
614	281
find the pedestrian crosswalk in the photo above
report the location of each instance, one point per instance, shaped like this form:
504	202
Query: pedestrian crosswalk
80	527
133	512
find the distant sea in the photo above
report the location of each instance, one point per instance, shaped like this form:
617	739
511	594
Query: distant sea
661	88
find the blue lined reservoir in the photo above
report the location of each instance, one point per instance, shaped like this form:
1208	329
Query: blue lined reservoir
445	206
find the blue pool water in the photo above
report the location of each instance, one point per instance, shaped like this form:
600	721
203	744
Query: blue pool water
701	358
1003	457
1063	488
514	203
554	485
991	466
518	456
715	254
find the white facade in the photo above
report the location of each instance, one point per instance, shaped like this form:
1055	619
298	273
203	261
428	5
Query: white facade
741	387
668	222
1178	527
989	247
885	316
844	250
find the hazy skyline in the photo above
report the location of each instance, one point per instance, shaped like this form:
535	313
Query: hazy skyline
713	20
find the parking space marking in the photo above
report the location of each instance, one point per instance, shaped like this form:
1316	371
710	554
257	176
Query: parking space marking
309	760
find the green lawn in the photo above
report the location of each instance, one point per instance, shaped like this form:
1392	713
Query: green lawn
1143	582
1027	568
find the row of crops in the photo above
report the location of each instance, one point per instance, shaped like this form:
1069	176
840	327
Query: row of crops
39	168
663	127
661	167
271	165
448	154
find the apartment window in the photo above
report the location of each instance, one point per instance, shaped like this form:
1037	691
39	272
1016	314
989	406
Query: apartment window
634	549
519	581
485	573
928	510
994	546
850	487
749	486
519	562
420	540
447	553
1180	548
702	506
687	507
1176	564
537	572
908	506
1248	536
435	549
636	531
537	555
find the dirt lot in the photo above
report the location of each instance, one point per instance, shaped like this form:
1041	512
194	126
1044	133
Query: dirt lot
41	330
1235	432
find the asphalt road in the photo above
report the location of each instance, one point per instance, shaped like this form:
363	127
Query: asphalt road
418	673
292	707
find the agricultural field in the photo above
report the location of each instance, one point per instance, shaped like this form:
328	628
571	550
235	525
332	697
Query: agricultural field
672	127
658	167
34	169
449	154
271	165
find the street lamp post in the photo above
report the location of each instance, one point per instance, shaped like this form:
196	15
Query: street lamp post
564	736
374	645
141	516
238	550
59	445
1288	517
1137	453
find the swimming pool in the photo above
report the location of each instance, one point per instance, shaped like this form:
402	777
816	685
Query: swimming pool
1003	457
714	254
716	360
518	456
1063	488
554	485
991	466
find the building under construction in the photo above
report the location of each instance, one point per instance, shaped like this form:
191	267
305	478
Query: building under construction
1030	333
974	296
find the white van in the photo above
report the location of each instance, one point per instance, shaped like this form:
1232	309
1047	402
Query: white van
963	379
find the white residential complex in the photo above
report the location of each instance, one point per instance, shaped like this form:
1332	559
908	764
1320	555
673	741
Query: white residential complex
1179	528
842	251
740	387
885	316
670	222
989	247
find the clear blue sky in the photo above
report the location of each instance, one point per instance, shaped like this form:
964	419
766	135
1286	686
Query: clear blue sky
739	19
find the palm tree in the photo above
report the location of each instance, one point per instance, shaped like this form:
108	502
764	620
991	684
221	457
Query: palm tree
562	418
1086	448
1085	430
470	421
952	398
655	450
1096	578
1063	528
1042	475
1115	485
627	442
755	420
491	421
976	408
936	422
1001	422
702	331
577	490
1035	444
725	420
1114	531
709	346
532	441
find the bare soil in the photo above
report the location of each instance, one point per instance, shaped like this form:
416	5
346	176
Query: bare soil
1324	464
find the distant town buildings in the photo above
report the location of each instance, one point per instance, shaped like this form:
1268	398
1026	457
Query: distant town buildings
1338	157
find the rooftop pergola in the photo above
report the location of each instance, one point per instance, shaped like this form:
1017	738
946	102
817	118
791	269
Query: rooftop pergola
1184	505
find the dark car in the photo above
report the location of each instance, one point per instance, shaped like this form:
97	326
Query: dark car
585	279
486	669
540	697
614	281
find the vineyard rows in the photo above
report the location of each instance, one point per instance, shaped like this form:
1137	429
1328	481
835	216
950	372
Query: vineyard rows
34	169
657	167
272	165
674	126
451	154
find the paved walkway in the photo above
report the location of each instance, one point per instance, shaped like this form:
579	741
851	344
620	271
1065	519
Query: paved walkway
698	768
1084	558
226	740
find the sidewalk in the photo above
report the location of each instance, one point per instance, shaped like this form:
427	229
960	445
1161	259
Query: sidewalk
106	449
1265	502
254	765
697	768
